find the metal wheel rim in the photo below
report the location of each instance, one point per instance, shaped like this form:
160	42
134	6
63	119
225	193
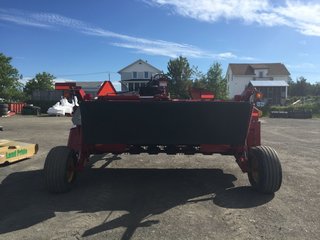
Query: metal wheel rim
70	171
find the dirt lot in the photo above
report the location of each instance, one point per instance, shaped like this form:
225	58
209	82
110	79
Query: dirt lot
162	197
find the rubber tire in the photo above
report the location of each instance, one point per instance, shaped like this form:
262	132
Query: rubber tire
4	105
55	169
268	169
3	109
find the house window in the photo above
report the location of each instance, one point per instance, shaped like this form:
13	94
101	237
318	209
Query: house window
260	74
135	74
146	75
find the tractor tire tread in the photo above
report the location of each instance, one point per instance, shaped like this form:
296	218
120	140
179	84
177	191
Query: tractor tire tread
270	169
55	169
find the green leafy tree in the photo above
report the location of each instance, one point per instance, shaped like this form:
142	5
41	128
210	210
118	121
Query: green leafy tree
215	82
291	87
199	78
316	89
180	72
300	88
10	87
42	81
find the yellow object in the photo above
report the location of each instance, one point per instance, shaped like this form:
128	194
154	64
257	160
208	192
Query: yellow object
11	151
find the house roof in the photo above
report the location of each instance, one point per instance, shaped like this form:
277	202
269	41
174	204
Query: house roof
248	69
95	84
139	60
269	83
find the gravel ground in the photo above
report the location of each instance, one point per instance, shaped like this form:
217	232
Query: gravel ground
161	197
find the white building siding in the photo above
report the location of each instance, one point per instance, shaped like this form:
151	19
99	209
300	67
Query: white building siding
140	71
139	68
140	75
126	75
237	84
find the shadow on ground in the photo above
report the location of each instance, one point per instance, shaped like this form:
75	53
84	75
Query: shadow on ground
25	202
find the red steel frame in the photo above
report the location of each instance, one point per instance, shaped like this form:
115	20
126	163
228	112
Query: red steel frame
107	92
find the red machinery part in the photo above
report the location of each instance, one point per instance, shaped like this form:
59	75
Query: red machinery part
202	125
65	86
107	89
197	93
16	107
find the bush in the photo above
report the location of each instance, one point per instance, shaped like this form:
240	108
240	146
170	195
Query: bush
306	104
314	107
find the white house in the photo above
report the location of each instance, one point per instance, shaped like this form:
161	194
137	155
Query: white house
270	78
136	74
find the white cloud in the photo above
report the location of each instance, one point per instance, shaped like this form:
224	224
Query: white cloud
141	45
163	48
20	18
305	17
302	16
211	11
226	55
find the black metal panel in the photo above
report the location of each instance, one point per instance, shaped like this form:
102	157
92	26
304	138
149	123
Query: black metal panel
164	123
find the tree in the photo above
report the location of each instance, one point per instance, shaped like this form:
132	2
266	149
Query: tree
10	87
316	89
199	78
42	81
300	88
291	87
215	82
180	72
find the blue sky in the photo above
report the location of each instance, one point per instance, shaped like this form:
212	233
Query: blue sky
86	40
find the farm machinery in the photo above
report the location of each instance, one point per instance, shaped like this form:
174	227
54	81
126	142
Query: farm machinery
151	122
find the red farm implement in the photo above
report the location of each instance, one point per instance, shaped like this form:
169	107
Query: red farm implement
163	125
